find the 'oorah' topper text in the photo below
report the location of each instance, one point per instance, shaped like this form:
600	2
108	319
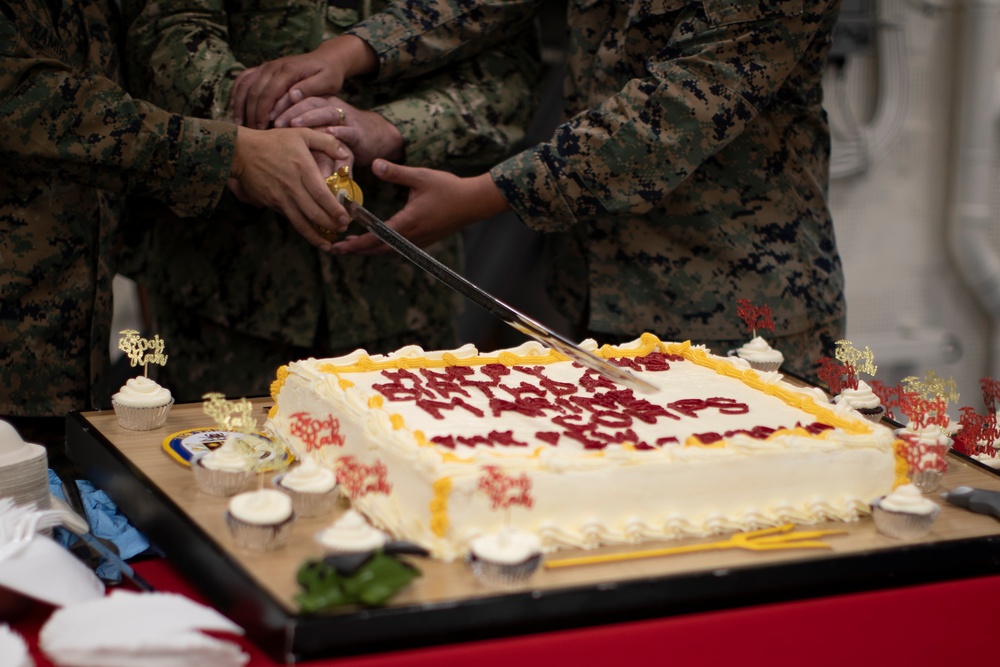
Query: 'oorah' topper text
755	317
230	415
863	361
142	350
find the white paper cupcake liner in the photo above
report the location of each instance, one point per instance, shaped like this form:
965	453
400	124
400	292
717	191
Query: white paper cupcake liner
259	537
764	366
142	419
222	483
927	481
310	504
504	575
874	416
902	525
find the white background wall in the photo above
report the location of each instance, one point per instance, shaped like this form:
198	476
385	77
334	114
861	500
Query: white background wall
906	299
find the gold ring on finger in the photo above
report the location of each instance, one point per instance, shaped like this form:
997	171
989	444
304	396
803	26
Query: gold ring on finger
327	234
343	116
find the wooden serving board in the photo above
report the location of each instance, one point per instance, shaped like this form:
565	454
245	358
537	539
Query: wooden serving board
157	492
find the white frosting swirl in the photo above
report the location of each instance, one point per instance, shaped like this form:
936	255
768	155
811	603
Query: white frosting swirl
261	507
308	477
758	350
227	458
928	435
907	498
141	392
351	532
862	397
507	546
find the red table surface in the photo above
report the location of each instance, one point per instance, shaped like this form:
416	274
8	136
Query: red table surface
952	622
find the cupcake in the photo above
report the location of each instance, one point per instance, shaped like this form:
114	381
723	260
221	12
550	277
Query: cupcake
311	487
350	534
142	404
224	471
926	454
863	400
905	514
761	356
260	520
505	559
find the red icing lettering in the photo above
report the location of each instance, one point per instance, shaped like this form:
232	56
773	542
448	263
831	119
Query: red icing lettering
359	479
316	433
506	490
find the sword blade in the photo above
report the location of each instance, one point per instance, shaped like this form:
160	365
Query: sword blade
490	303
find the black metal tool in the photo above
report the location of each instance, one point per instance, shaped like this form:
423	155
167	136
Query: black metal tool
982	501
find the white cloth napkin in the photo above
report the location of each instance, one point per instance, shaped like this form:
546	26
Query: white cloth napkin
13	649
45	571
140	630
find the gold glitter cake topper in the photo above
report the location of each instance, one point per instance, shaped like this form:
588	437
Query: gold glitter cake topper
230	415
236	416
142	350
863	361
932	386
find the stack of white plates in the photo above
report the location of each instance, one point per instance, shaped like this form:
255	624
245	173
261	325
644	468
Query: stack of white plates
24	470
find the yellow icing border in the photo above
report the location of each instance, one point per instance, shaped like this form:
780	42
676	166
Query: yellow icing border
647	343
439	506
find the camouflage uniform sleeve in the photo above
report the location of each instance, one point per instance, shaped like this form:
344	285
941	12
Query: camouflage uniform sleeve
184	55
626	154
472	113
412	38
178	56
88	130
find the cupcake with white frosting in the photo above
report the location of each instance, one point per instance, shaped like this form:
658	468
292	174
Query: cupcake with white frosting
505	559
313	488
142	404
351	534
761	356
863	400
224	471
260	520
926	454
905	513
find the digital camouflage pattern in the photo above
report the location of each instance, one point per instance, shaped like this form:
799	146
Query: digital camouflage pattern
245	273
691	170
72	142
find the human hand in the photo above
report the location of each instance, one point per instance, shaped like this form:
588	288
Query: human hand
260	94
439	205
277	169
368	134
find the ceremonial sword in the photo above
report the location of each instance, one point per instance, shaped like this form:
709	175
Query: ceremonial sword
349	194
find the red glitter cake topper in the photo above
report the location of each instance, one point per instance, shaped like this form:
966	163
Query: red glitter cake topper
755	317
844	375
360	480
980	432
504	490
924	457
837	376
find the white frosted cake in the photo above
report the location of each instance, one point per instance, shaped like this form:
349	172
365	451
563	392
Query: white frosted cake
719	447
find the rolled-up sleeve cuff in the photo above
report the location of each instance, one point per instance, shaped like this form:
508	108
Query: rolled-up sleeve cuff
204	159
533	192
385	33
422	145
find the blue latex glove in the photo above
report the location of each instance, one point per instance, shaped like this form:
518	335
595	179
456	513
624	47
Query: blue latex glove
106	521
